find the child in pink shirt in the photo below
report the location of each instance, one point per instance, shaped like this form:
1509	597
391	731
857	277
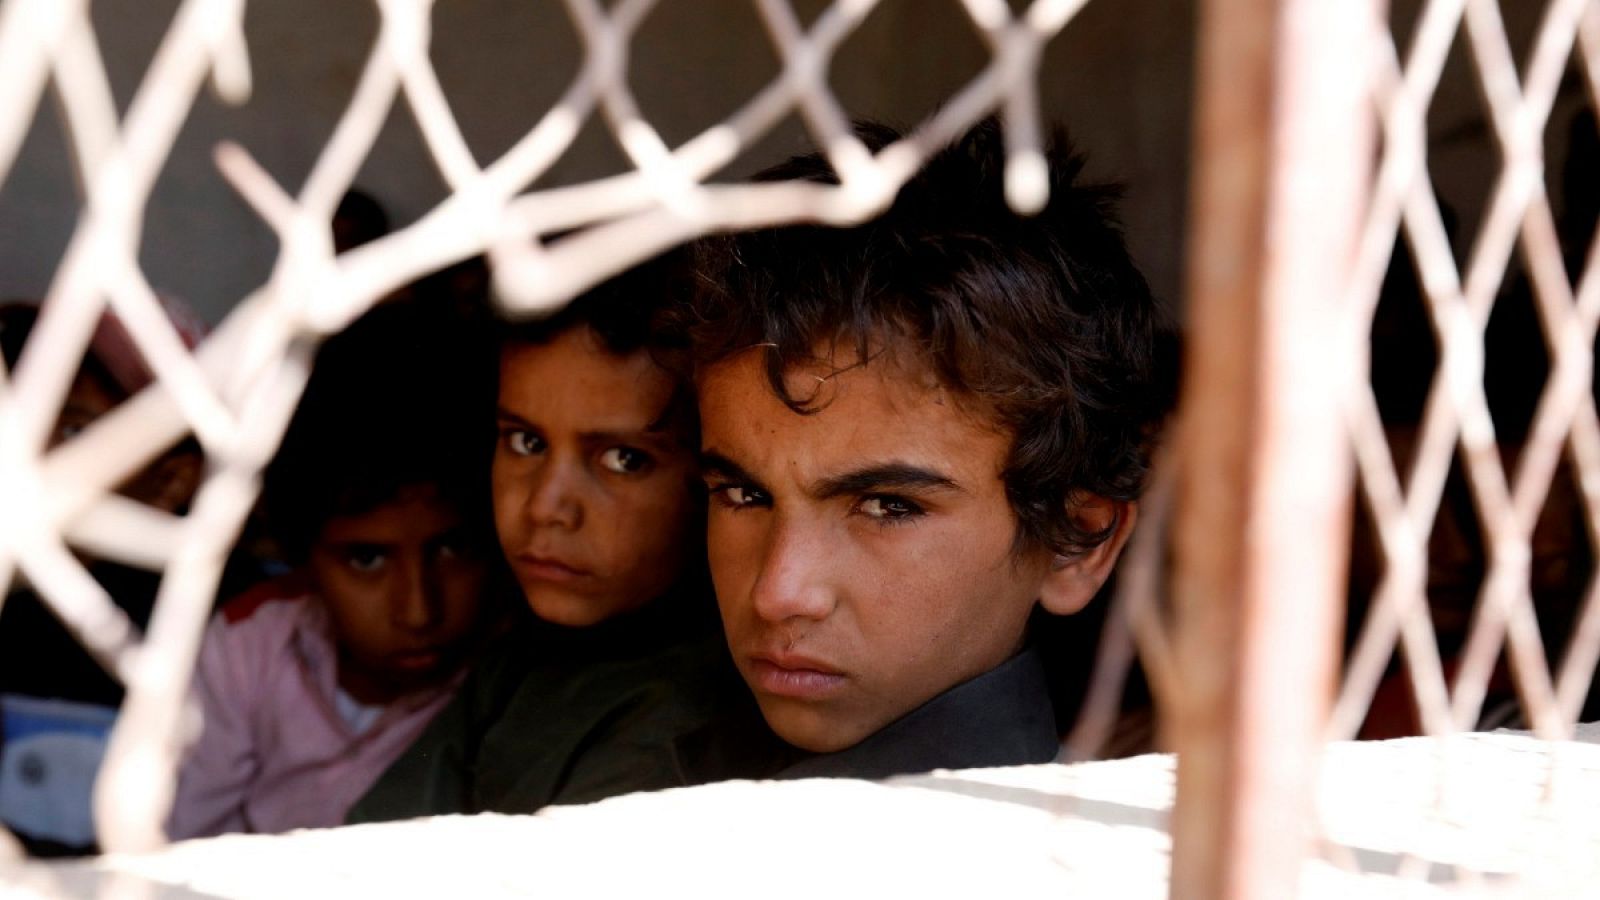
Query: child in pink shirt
311	684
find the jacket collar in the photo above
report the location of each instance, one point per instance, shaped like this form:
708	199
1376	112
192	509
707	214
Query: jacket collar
1000	718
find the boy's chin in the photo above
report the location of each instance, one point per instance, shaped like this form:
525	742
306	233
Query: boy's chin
571	610
810	729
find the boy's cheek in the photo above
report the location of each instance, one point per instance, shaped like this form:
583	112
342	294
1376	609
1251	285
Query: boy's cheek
734	556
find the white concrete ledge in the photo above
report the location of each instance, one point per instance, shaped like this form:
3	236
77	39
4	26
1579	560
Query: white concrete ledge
1416	818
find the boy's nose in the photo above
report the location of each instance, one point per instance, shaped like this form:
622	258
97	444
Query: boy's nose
555	500
794	578
417	601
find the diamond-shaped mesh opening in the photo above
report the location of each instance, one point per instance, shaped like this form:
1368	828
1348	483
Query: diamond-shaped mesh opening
595	153
497	97
929	66
1578	204
319	91
37	212
1404	354
1563	564
401	148
1403	18
39	657
808	11
1516	366
1457	562
128	57
177	213
1456	565
789	137
1463	161
689	92
1522	21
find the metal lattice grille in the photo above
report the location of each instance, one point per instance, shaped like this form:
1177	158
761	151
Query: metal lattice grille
236	393
1457	417
1402	489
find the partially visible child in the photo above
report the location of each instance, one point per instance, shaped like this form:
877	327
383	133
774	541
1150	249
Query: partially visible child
312	684
598	510
57	704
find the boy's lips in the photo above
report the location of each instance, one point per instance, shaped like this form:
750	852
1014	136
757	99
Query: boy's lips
418	660
548	568
793	676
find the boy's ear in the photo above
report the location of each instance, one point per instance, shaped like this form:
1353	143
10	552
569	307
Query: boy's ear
1074	580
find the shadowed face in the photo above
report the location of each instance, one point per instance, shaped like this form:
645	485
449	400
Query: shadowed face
594	492
402	584
863	554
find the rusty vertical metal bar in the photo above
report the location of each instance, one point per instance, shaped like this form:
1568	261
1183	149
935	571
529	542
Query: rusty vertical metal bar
1282	150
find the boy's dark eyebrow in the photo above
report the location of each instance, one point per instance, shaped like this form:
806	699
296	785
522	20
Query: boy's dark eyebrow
714	463
650	432
884	477
506	415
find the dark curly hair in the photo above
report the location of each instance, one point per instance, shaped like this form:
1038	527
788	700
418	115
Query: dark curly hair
1044	321
624	311
627	313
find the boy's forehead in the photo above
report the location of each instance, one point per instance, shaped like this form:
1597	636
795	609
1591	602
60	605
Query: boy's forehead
412	510
877	408
576	362
890	379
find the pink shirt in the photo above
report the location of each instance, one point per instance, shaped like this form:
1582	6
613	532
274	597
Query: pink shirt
275	752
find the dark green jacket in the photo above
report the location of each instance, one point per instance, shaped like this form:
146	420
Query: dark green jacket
565	715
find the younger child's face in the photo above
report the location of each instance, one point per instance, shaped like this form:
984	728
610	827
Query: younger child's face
402	584
594	491
862	554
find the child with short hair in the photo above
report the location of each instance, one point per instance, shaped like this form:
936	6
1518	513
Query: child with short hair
917	433
312	684
600	515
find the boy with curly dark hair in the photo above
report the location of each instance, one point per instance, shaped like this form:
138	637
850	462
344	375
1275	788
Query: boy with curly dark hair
917	434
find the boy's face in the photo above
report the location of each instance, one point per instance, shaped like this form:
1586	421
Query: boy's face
402	584
862	554
594	492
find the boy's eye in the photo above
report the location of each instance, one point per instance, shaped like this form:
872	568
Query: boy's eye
71	425
887	507
454	547
365	559
739	496
524	443
625	460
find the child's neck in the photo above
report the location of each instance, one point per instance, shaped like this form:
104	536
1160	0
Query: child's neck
677	614
372	689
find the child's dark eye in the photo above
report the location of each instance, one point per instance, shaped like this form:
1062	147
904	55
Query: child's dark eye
625	460
71	425
365	559
453	547
739	496
523	442
888	508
